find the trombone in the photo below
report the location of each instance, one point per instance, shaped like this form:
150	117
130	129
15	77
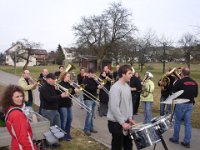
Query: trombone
61	89
86	93
101	82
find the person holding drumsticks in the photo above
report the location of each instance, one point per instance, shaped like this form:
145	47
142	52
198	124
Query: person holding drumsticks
120	110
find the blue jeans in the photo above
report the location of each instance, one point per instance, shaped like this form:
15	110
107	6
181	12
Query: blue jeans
89	117
162	107
81	97
66	118
183	111
52	115
147	106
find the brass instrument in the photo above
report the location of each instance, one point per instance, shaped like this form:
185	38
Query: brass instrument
165	78
86	93
69	68
73	98
101	82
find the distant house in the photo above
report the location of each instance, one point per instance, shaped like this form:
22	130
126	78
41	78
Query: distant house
90	62
36	57
40	55
69	54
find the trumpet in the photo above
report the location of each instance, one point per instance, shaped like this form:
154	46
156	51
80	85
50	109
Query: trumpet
34	81
72	97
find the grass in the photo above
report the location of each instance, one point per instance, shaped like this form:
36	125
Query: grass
155	68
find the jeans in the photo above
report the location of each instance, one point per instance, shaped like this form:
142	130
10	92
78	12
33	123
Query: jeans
89	116
183	111
162	107
66	118
53	116
81	97
119	141
147	106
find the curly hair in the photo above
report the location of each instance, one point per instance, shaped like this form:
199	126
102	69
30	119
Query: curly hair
6	99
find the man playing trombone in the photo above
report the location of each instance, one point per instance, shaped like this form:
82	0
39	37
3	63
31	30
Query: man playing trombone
103	96
28	85
50	100
91	87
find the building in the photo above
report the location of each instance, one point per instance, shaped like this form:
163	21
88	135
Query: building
90	62
69	55
37	56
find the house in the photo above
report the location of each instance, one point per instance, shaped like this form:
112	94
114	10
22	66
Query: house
40	55
90	62
36	57
69	54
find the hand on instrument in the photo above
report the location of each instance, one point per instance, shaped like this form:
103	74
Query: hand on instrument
100	86
132	122
126	126
77	90
64	94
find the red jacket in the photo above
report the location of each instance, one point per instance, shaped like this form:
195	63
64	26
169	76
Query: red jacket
20	130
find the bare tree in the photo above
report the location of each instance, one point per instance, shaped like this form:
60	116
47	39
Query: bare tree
188	42
26	51
165	44
145	43
101	33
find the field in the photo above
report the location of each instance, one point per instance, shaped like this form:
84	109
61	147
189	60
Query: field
155	68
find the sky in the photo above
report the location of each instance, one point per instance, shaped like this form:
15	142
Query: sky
50	21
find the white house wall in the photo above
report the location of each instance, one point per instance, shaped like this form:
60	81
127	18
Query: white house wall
10	62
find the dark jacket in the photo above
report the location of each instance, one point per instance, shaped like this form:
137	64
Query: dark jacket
91	87
80	78
189	86
135	83
103	96
66	102
49	97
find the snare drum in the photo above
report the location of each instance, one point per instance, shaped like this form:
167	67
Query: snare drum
162	122
144	135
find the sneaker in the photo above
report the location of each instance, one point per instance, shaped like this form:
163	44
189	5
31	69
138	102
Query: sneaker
173	141
187	145
87	133
94	131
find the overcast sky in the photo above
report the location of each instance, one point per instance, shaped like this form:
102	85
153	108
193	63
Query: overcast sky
50	21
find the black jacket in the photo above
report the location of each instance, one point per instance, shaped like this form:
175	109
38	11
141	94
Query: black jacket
80	78
103	96
49	97
91	87
189	86
66	102
135	83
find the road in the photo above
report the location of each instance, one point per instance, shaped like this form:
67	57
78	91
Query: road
100	123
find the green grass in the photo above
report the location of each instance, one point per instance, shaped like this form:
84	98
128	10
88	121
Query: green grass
155	68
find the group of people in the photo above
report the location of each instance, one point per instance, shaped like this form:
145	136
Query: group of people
119	96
